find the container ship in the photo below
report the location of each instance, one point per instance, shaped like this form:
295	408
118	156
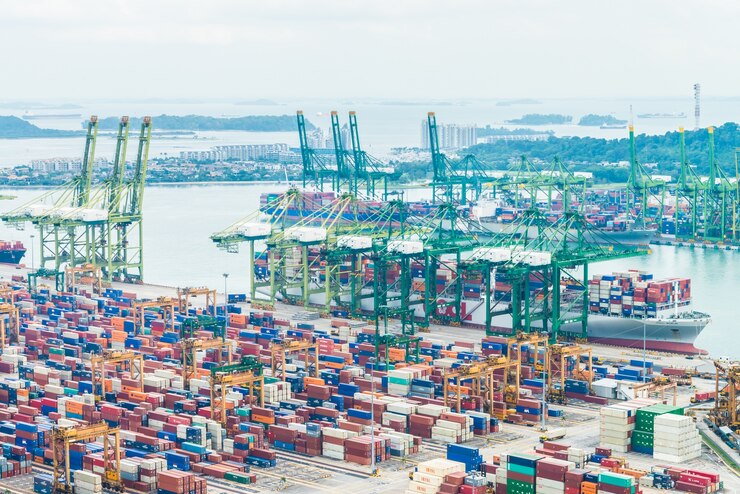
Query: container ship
11	252
627	309
607	225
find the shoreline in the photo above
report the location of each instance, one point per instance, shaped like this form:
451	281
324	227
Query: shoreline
202	183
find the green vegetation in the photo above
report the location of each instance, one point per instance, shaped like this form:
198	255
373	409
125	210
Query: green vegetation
590	154
252	123
597	120
501	131
17	128
540	119
659	149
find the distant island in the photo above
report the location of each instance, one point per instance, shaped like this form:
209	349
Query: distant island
251	123
17	128
257	102
502	131
521	101
540	119
592	120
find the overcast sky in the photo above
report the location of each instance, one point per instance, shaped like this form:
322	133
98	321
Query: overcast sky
367	48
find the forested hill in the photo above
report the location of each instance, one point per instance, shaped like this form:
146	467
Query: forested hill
253	123
660	149
17	128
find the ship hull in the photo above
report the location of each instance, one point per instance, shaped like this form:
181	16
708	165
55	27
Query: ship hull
664	334
627	237
13	256
661	334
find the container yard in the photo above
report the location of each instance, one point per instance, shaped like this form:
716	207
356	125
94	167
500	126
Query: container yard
308	406
383	344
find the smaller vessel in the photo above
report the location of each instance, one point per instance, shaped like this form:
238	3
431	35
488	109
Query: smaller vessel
613	126
39	116
661	115
11	252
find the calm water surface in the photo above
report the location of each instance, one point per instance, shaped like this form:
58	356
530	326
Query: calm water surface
178	251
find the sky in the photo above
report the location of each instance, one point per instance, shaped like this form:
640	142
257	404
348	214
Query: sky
413	49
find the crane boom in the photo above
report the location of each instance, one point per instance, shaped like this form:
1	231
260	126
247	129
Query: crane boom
115	182
142	157
82	189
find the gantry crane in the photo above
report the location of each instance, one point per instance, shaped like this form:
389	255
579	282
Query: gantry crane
63	437
409	344
88	274
190	346
522	338
366	168
246	373
481	376
184	295
7	293
280	351
122	248
167	305
656	388
9	323
33	277
727	387
132	362
689	191
641	186
718	201
316	170
61	239
556	368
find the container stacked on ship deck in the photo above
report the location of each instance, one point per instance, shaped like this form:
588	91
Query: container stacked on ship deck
636	293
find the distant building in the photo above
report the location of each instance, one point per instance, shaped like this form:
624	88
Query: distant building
451	136
515	137
243	152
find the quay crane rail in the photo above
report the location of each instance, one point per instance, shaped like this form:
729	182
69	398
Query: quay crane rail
63	437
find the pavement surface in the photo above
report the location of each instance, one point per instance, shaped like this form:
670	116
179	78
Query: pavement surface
300	474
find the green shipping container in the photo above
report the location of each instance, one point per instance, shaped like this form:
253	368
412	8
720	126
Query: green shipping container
617	479
645	419
398	380
519	487
642	438
513	467
237	477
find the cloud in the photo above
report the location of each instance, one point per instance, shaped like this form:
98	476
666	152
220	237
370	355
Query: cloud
363	48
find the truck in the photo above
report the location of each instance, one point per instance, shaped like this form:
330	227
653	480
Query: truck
552	434
703	396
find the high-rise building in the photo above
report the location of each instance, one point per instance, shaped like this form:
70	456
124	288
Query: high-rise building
451	136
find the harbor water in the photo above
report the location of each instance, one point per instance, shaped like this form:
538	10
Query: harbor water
178	251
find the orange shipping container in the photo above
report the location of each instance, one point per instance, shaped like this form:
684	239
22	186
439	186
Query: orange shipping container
313	380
